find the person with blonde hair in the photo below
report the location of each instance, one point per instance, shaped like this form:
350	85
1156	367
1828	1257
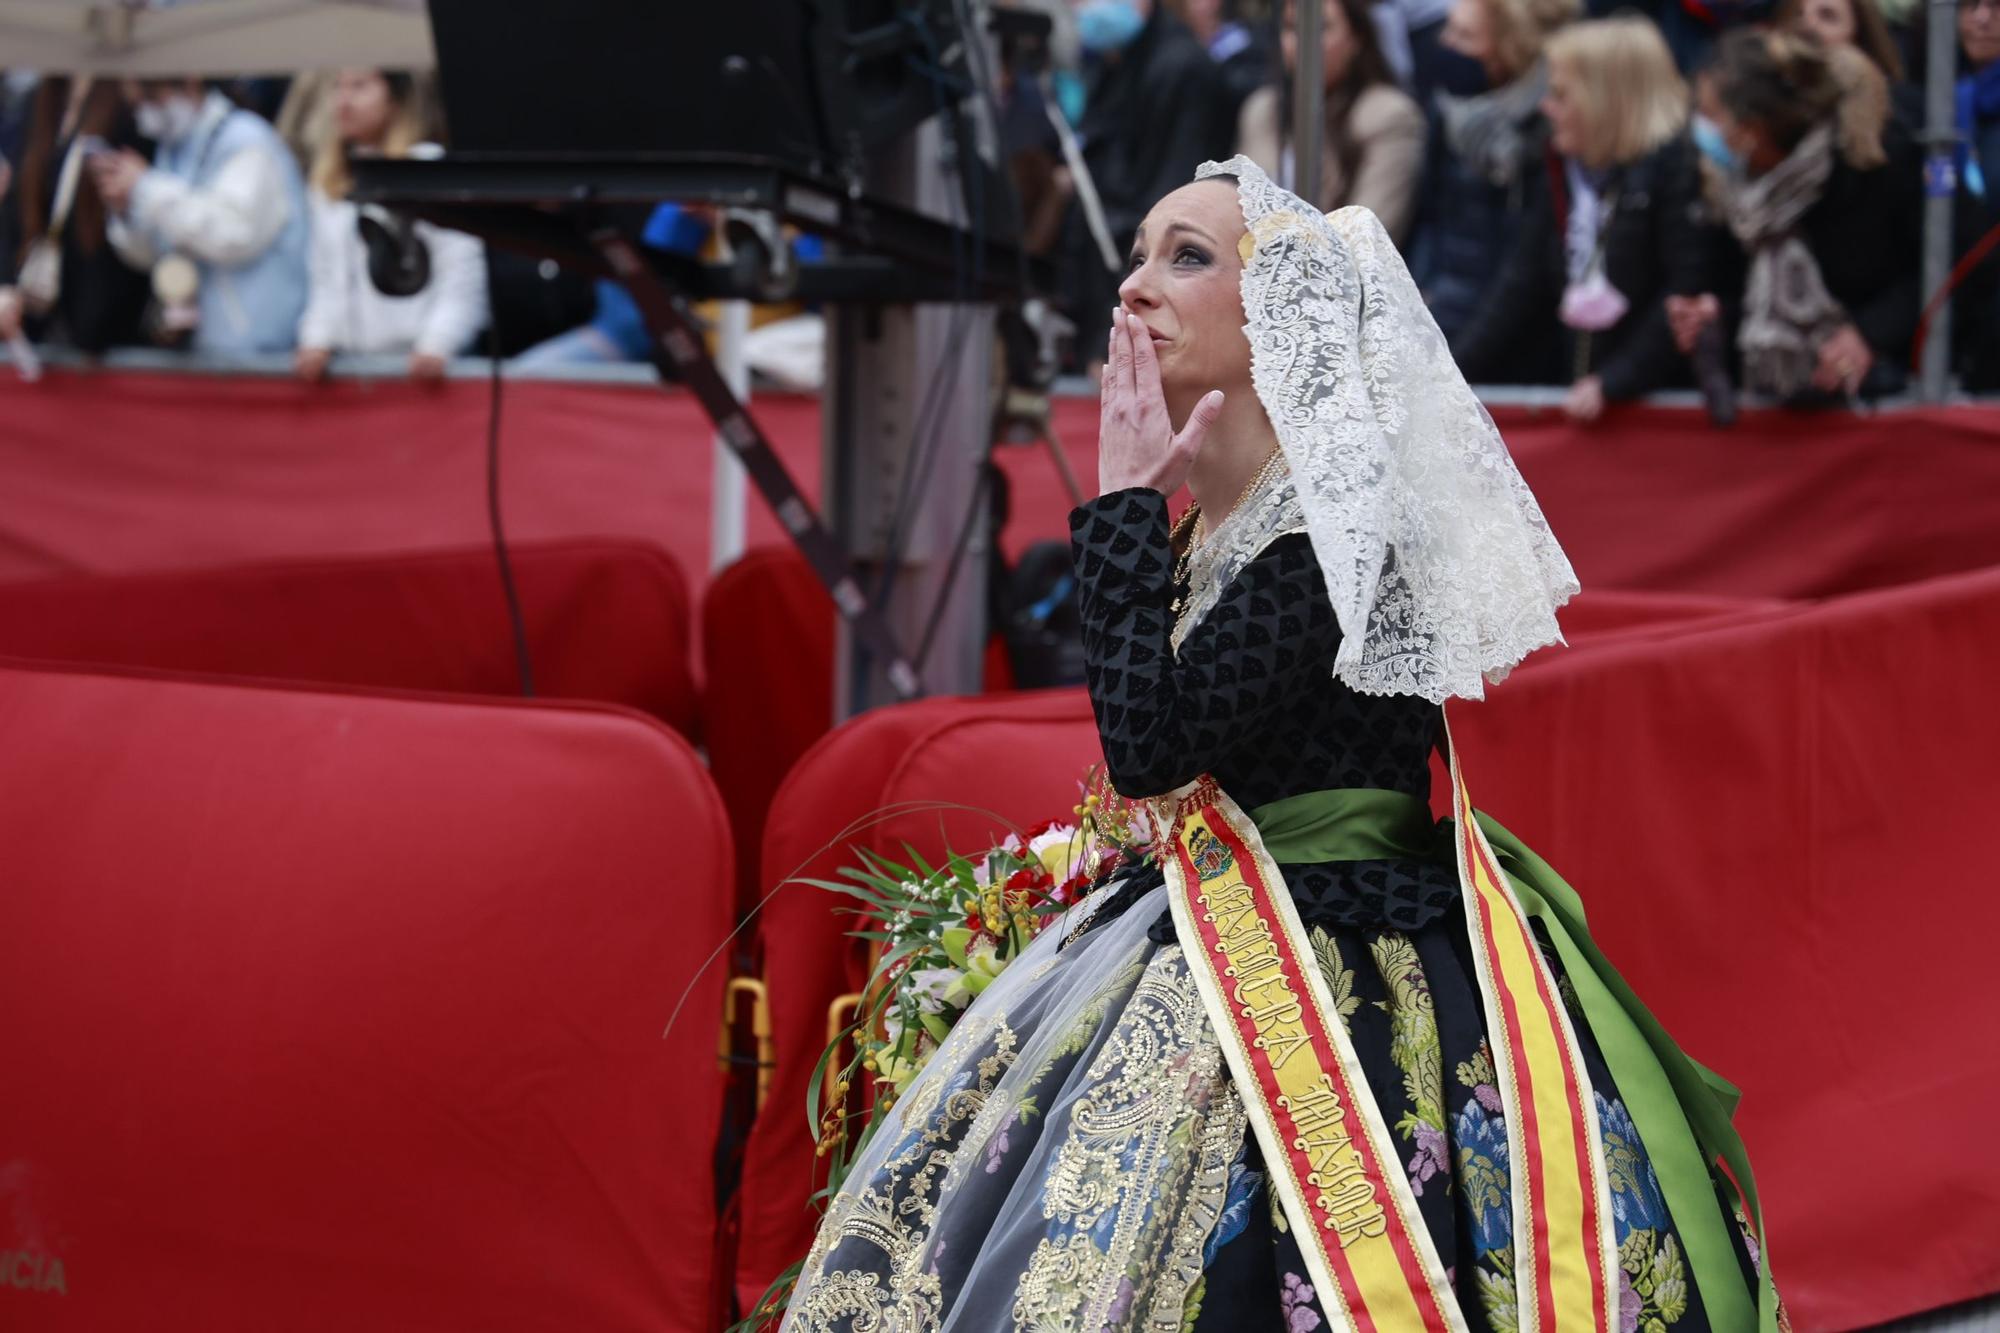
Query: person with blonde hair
1611	233
1307	1065
383	113
1485	148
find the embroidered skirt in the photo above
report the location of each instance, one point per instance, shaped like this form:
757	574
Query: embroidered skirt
1075	1156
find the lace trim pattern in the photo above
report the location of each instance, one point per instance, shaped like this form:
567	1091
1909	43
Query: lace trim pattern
1442	570
1269	512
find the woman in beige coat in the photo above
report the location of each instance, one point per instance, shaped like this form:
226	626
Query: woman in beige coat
1372	151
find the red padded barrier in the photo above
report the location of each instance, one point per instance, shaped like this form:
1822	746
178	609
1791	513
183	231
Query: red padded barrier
767	636
334	1011
808	957
606	621
1777	827
130	472
1602	615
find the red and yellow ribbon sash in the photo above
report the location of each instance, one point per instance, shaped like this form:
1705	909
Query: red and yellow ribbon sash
1565	1254
1331	1156
1328	1152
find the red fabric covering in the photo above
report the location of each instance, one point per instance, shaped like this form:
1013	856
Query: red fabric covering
1783	505
808	956
1597	615
334	1011
1770	817
125	473
1774	825
606	621
767	635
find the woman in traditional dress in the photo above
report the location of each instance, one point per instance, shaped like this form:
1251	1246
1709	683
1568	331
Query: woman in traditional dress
1327	1063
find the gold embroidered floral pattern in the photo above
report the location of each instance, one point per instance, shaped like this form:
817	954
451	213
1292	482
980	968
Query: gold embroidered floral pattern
1089	1107
874	1234
1414	1046
1339	977
1139	1174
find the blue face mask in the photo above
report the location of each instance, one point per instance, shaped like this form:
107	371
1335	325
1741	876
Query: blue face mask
1708	140
1108	25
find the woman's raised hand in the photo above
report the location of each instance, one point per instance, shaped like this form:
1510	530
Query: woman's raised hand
1136	443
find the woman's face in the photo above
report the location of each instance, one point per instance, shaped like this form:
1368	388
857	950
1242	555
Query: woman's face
1336	42
1468	30
1562	104
1832	21
1185	287
1753	147
362	107
1979	31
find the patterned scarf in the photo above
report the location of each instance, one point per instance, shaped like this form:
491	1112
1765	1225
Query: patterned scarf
1787	310
1487	132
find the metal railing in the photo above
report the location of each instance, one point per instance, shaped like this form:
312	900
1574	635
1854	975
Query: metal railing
278	365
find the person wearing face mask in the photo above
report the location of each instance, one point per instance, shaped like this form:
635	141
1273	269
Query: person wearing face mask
1486	146
1372	148
1821	191
1152	112
1609	234
219	218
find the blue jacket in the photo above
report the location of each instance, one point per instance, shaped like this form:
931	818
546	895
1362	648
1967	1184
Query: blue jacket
251	304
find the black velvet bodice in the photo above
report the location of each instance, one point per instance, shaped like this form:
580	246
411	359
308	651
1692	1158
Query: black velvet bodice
1250	698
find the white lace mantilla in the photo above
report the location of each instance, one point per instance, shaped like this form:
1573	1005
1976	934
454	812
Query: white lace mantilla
1441	568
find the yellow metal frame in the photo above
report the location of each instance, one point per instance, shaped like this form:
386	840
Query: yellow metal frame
760	1031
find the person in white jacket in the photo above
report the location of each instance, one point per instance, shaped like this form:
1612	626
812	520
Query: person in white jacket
378	111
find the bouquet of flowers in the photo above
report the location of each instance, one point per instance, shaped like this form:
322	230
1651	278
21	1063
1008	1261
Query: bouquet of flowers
942	934
939	935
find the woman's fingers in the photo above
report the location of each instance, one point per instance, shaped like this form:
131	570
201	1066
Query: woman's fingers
1188	443
1121	354
1145	364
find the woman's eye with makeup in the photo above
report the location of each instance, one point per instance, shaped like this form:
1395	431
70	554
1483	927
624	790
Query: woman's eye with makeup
1133	264
1191	255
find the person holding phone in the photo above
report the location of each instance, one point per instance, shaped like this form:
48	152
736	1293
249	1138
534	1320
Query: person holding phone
218	218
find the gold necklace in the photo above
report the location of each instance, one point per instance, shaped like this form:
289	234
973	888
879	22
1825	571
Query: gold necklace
1194	529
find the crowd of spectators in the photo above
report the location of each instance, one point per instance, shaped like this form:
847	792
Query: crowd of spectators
1613	202
1607	199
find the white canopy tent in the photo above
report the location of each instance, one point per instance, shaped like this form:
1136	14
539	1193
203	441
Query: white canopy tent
212	37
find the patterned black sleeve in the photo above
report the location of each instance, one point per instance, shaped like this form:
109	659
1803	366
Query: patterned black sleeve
1165	720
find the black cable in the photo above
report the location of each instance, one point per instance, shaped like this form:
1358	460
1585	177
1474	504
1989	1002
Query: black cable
515	619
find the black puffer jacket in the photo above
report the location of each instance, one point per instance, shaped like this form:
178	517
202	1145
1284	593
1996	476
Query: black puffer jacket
1653	248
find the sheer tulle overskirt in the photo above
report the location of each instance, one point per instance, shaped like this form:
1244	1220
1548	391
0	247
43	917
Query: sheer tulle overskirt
1059	1164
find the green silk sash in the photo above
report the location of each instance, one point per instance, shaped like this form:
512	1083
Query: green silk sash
1681	1110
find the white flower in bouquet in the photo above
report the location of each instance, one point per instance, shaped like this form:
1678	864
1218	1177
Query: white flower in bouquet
1059	850
932	989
